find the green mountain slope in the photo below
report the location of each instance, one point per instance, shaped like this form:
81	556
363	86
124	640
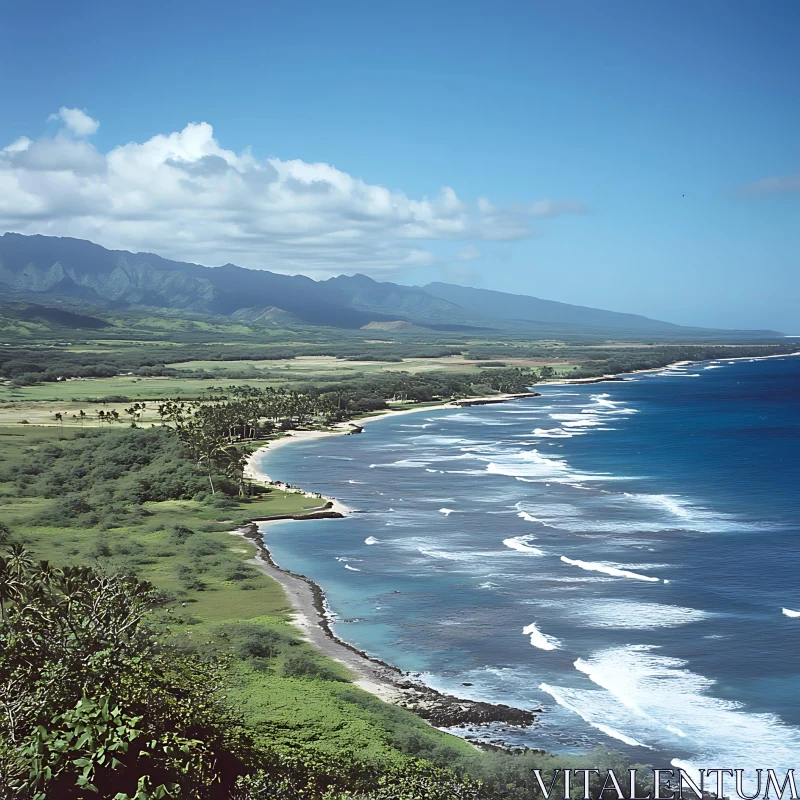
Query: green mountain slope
42	269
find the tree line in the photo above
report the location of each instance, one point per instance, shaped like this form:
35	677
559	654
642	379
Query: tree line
211	429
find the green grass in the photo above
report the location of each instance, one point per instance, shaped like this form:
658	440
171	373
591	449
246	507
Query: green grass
209	601
127	386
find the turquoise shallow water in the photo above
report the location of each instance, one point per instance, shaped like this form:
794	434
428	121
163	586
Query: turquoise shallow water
619	554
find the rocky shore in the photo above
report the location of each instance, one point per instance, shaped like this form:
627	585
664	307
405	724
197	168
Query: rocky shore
313	617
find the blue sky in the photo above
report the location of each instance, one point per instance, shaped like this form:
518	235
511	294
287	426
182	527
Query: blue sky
639	157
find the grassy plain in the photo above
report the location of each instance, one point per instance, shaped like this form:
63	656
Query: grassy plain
38	404
305	367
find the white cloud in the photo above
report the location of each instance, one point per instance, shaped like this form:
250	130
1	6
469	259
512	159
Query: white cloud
184	196
76	121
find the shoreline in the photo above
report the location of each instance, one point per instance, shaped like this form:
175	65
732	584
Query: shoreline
618	375
390	684
311	614
253	472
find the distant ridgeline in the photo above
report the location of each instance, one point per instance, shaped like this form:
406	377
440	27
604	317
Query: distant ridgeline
36	269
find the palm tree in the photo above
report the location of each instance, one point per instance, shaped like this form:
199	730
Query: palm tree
19	560
10	587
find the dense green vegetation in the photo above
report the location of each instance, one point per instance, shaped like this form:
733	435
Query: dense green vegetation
237	704
91	358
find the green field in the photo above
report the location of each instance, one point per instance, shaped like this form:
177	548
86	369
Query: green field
312	367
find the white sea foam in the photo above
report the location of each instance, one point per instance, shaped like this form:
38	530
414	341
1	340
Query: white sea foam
472	557
443	441
352	481
608	569
789	613
555	433
403	463
534	466
371	540
671	503
575	579
522	511
446	511
632	615
541	640
602	400
639	691
520	544
563	698
352	569
691	516
577	420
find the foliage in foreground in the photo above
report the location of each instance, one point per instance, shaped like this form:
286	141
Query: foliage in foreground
92	703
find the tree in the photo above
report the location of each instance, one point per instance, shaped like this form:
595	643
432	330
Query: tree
93	705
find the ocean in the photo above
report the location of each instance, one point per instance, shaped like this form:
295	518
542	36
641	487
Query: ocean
623	555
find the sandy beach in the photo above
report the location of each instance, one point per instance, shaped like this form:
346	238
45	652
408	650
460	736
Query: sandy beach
254	472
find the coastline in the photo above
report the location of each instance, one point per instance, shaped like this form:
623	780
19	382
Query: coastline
312	618
253	472
618	375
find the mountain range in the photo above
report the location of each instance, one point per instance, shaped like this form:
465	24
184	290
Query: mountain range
82	274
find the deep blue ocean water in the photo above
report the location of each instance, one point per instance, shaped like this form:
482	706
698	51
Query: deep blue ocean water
619	554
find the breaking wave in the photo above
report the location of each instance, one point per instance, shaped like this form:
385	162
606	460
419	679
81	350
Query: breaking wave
541	640
653	700
608	569
520	544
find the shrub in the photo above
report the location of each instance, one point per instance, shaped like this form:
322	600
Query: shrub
201	545
180	533
308	665
252	640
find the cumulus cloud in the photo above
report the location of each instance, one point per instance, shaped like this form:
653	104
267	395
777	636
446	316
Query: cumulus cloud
184	196
784	184
76	121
